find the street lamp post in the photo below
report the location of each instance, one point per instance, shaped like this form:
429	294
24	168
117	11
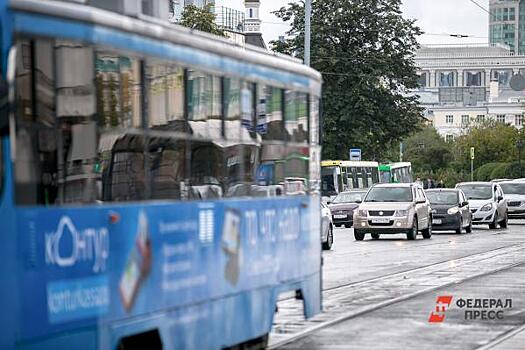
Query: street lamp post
307	29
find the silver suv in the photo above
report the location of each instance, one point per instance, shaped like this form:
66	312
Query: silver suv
392	209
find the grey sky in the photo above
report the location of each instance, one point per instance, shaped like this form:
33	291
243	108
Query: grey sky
433	16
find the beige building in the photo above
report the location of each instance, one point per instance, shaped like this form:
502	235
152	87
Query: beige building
463	85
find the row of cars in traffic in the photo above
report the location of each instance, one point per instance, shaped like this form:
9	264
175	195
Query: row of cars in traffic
409	209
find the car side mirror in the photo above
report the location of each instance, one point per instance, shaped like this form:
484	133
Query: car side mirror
359	201
328	203
464	204
421	201
500	198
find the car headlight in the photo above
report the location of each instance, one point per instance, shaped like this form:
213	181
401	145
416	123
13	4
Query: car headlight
453	210
362	212
401	213
486	207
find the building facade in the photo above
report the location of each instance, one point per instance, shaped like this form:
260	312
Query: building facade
461	86
507	24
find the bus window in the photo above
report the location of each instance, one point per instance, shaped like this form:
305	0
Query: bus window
369	177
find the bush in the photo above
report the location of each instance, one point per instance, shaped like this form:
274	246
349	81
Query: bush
484	173
501	171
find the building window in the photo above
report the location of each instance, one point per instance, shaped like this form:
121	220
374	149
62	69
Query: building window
449	119
480	118
465	120
422	80
446	79
449	138
473	79
250	11
519	120
500	118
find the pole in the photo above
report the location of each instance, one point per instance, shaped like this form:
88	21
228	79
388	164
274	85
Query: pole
400	151
471	169
307	15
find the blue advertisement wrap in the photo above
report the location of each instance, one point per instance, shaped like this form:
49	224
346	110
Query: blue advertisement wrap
214	266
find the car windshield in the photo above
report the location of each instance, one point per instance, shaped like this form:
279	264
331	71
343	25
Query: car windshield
513	188
477	191
389	194
438	197
349	197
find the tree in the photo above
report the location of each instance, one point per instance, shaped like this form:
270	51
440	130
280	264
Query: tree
202	19
493	143
365	50
427	151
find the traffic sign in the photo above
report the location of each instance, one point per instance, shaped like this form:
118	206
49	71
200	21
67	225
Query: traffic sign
355	154
472	155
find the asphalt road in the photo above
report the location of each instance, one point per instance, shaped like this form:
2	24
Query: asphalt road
378	294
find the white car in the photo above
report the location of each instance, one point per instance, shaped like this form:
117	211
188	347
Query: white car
327	227
487	203
514	193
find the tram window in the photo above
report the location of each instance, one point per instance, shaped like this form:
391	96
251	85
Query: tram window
269	113
297	170
118	89
121	162
36	166
314	120
204	104
232	108
165	91
296	117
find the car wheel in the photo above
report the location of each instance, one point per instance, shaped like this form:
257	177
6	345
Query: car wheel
338	225
412	234
494	224
459	230
359	235
469	228
329	239
505	222
427	233
375	235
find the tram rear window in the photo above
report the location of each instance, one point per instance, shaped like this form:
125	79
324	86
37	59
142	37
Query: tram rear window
99	125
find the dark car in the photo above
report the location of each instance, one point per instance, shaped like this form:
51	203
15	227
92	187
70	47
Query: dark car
343	206
450	210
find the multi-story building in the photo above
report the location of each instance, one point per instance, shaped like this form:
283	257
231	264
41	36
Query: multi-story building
464	85
507	24
177	7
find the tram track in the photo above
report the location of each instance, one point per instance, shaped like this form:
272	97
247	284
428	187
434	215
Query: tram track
345	302
403	272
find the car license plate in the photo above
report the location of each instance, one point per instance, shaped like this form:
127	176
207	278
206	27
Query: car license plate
381	221
339	216
437	221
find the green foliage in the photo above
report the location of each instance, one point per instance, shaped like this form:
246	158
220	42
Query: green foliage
484	173
365	50
500	171
493	142
202	19
427	151
451	177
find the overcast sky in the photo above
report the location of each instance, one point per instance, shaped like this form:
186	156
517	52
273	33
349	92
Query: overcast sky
435	17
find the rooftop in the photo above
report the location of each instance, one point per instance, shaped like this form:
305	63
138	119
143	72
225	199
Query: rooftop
463	51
